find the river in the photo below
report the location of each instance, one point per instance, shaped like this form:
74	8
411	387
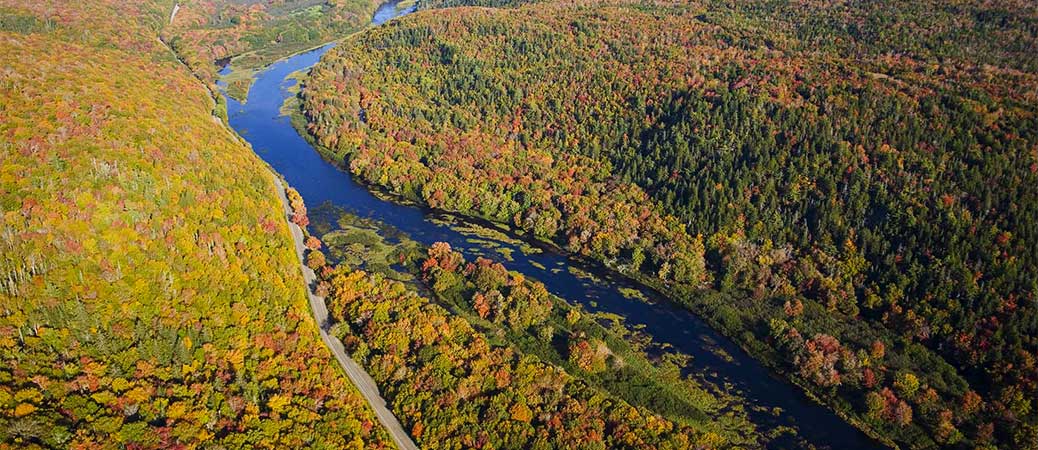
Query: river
714	357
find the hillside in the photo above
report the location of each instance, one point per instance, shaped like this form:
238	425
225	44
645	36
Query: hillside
149	294
850	189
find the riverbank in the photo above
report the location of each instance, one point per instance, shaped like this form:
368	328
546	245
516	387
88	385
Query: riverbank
639	371
635	281
638	282
360	379
364	383
714	357
690	301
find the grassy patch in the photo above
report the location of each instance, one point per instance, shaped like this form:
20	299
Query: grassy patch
239	81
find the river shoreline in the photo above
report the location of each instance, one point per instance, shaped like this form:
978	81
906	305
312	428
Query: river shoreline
360	379
606	272
279	149
601	270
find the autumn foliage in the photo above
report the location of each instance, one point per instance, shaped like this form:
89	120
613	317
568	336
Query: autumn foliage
205	31
451	387
150	297
861	171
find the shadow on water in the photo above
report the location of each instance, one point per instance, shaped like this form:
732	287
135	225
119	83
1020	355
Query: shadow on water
715	358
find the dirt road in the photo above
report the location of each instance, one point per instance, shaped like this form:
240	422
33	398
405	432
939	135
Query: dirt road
360	378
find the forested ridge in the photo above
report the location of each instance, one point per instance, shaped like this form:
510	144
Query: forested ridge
149	293
854	183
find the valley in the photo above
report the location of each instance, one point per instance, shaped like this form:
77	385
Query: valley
518	224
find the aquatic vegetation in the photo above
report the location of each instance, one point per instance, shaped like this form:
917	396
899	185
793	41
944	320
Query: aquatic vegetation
836	159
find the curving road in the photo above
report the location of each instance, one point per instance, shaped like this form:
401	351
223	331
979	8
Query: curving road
357	375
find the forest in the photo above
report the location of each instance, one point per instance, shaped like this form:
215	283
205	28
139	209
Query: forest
847	189
145	303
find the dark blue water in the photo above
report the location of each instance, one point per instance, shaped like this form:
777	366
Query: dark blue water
714	357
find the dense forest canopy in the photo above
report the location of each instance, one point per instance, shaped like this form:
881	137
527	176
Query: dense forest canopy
145	303
849	189
855	181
